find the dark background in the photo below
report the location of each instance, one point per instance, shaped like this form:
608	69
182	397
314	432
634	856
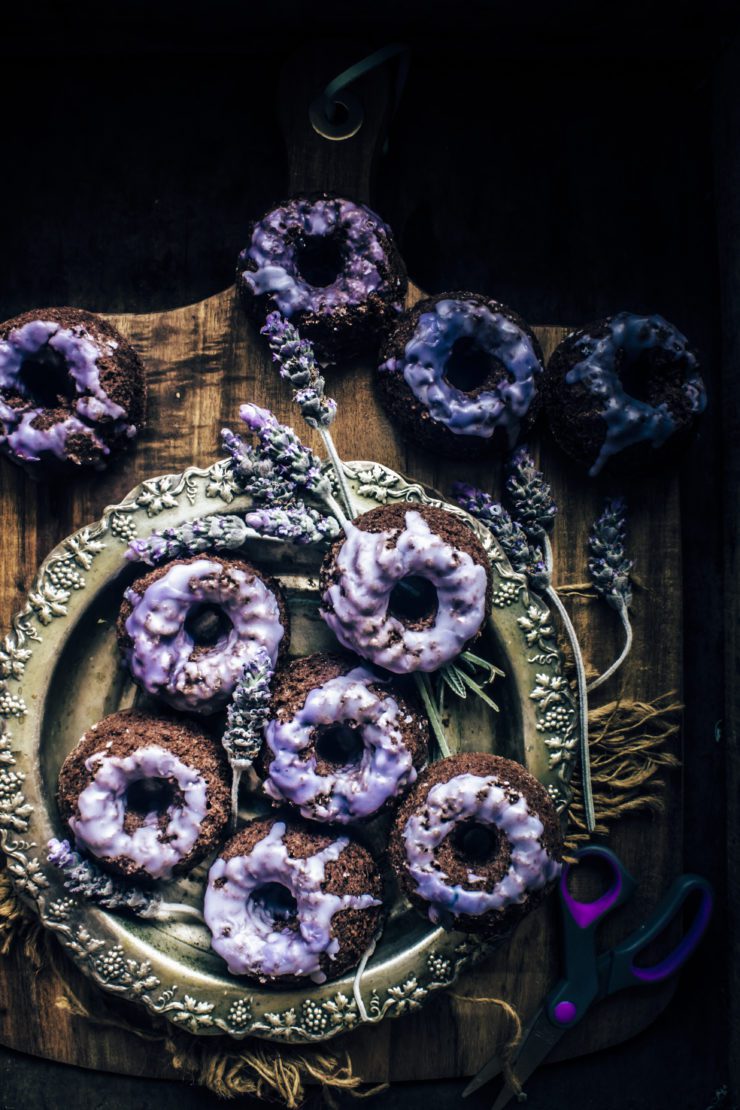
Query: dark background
562	158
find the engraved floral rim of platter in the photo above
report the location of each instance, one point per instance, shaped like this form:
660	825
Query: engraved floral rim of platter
59	673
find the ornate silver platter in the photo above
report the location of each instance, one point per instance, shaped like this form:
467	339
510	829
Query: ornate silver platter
59	673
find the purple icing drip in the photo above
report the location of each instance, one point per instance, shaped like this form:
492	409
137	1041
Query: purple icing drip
275	239
482	799
629	420
101	809
425	362
349	792
248	937
163	657
370	564
90	407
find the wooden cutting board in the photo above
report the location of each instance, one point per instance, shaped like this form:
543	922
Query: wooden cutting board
202	362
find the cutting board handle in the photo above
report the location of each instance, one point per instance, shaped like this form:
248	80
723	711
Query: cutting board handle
316	163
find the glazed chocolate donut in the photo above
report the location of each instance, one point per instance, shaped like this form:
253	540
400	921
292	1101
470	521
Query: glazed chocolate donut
459	374
187	629
328	265
285	903
71	390
618	389
341	744
149	797
443	566
477	843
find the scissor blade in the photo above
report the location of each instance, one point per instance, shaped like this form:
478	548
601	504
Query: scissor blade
495	1065
542	1038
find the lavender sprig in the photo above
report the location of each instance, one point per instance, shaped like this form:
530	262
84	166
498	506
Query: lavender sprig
527	484
279	465
525	558
530	496
608	565
294	463
218	531
254	474
609	569
297	362
249	709
82	876
246	717
294	523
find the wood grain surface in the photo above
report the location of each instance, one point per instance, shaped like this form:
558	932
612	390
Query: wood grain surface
202	362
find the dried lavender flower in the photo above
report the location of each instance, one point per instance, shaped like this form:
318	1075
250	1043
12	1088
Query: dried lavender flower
524	557
297	362
203	534
248	710
529	495
82	876
296	523
608	565
294	464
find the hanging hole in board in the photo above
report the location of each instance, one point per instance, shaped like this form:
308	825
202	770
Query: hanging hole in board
336	118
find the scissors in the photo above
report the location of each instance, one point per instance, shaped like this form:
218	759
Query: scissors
590	977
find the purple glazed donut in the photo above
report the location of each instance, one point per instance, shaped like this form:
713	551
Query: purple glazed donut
341	744
460	373
477	843
618	390
328	265
187	629
435	554
71	390
148	796
285	902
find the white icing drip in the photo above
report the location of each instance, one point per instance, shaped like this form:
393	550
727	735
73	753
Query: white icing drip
370	564
351	791
101	808
162	656
248	938
474	797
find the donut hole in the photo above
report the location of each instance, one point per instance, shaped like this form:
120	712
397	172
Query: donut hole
636	375
340	744
319	259
469	366
45	379
475	842
150	795
207	624
274	902
413	600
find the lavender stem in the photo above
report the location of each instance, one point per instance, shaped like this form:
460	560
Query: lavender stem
626	625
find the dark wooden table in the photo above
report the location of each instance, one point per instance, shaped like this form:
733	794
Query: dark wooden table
572	236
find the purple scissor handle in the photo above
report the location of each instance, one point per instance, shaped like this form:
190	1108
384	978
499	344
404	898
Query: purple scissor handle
588	977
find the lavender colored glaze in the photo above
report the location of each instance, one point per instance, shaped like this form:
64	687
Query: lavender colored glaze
628	420
351	791
101	809
369	564
427	353
474	797
248	937
163	657
358	232
91	409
